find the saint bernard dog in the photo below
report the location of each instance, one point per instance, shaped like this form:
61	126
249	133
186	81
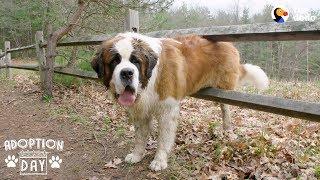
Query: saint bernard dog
150	76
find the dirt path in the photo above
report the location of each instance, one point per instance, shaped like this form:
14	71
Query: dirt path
97	136
23	115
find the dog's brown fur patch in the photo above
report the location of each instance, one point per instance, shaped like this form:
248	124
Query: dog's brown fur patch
147	57
102	59
195	63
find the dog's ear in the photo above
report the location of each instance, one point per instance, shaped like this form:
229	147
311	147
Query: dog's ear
97	63
152	61
99	66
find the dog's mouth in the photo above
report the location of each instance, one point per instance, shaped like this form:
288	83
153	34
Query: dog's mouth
127	97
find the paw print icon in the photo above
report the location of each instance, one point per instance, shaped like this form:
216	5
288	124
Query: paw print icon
55	162
11	161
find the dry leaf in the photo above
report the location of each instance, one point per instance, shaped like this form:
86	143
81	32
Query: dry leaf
110	164
117	161
113	164
152	175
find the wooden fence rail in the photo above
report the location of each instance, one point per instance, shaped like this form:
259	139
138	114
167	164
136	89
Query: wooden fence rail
16	66
251	32
290	31
57	69
22	48
276	105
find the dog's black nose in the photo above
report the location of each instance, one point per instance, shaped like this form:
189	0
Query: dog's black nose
126	74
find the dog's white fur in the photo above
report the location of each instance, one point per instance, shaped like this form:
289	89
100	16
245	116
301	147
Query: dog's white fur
124	47
154	43
165	111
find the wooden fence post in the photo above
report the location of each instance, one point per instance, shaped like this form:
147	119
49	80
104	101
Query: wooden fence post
7	59
41	57
50	56
1	62
132	21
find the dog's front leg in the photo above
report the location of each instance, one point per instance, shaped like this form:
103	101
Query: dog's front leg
168	121
142	131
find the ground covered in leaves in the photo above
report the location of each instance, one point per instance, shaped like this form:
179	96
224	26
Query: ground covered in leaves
98	136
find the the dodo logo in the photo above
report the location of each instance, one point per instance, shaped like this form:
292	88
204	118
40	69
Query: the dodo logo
280	14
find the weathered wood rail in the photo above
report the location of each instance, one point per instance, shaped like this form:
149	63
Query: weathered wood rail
289	31
21	48
57	69
276	105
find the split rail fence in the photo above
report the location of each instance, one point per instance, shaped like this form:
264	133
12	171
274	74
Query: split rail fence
289	31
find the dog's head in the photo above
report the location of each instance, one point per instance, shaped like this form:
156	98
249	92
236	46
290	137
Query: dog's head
125	65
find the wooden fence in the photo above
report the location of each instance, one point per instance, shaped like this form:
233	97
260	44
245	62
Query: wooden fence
289	31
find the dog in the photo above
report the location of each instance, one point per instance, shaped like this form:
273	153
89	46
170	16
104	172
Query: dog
150	76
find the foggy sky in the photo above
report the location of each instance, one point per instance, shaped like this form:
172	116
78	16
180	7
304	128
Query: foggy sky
255	6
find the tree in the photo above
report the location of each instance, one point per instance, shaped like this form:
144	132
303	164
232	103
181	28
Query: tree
236	11
53	38
245	19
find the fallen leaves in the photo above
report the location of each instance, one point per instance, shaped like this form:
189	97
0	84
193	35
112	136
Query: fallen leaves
152	175
267	146
113	164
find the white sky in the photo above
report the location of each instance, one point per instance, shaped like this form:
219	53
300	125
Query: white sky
298	6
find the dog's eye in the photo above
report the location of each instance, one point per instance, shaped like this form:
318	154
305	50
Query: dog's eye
115	60
134	60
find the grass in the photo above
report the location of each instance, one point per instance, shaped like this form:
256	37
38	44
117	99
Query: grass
317	171
6	80
76	169
212	128
78	119
2	74
59	111
120	131
294	90
217	151
83	63
67	81
107	122
47	98
84	60
71	114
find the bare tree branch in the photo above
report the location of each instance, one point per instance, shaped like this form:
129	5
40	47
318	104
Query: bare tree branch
53	38
74	20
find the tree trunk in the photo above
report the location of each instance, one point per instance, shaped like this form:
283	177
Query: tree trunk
73	58
308	75
280	60
50	55
53	38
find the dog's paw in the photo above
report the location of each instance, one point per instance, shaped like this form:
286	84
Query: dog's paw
133	158
158	164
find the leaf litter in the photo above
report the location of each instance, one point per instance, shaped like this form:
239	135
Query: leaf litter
268	145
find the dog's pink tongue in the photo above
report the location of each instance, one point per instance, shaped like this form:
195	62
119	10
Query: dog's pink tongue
126	98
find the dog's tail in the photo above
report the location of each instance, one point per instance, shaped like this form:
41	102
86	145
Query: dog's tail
253	75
